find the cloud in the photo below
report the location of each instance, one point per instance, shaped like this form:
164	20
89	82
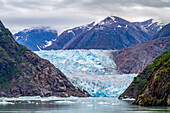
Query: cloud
61	14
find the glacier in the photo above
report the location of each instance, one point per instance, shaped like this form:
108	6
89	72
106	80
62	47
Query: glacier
92	70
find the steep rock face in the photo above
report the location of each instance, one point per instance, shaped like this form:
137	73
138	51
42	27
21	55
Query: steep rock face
135	58
111	33
36	39
152	85
23	73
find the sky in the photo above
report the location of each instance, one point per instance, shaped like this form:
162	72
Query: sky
63	14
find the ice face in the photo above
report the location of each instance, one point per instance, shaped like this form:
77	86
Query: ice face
88	62
92	70
103	86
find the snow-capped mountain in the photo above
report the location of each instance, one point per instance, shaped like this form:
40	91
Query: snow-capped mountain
150	26
37	38
68	35
111	33
92	70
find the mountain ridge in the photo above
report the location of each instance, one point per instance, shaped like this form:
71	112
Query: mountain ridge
110	33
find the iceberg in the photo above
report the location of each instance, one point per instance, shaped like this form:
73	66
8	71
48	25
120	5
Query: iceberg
29	97
92	70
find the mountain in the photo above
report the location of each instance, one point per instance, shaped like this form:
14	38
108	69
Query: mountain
150	26
135	58
37	38
69	34
111	33
165	32
23	73
152	85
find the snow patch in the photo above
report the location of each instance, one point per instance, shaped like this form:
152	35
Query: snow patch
119	26
38	47
49	43
113	18
16	38
70	31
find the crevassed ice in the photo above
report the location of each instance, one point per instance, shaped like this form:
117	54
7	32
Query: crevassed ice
92	70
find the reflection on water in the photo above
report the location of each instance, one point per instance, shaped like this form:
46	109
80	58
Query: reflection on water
84	105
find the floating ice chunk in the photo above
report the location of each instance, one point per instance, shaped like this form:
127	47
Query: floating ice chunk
103	103
29	97
5	103
90	105
65	102
72	97
130	99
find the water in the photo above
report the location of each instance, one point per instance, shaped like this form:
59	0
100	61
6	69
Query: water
77	105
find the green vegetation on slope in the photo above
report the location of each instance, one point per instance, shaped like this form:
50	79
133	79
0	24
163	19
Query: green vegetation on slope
152	82
9	59
157	88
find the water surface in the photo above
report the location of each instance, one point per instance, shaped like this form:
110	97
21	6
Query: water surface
78	105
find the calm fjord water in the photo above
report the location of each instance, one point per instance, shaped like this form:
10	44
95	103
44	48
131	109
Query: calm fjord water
78	105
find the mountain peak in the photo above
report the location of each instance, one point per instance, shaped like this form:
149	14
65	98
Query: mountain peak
113	20
1	24
107	21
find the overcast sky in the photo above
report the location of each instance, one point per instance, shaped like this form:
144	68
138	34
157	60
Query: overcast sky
63	14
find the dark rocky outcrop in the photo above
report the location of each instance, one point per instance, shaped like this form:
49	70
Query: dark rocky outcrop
23	73
135	58
152	85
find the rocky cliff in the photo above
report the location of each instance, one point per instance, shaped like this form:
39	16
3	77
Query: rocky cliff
135	58
152	85
23	73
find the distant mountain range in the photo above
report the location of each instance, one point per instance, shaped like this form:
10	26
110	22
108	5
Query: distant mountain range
111	33
37	38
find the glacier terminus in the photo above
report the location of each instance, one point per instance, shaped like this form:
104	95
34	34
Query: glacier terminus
92	70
